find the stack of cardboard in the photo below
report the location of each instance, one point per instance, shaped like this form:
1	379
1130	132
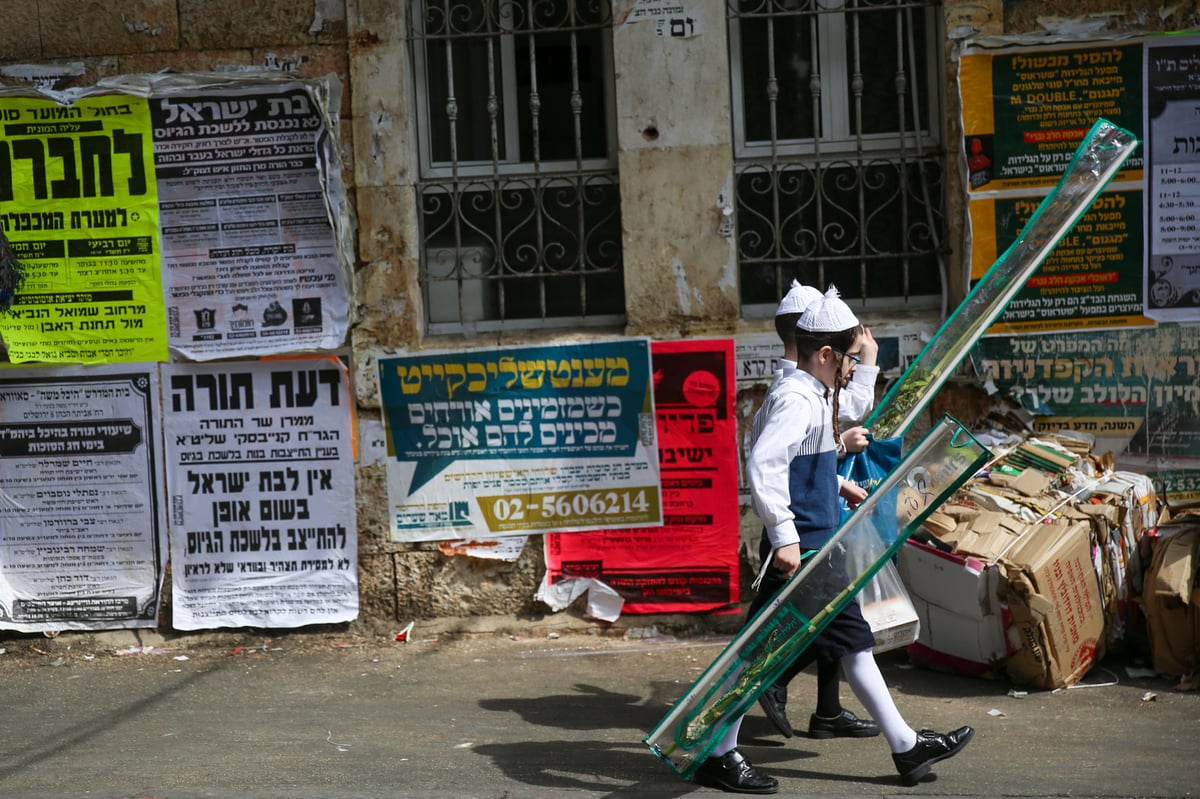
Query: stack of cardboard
1172	598
1022	570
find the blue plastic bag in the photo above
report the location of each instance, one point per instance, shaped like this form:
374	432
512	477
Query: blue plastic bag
869	467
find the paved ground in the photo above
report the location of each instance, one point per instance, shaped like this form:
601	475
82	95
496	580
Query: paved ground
520	714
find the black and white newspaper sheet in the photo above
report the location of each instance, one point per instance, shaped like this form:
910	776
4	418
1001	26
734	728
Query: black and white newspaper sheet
248	198
82	527
261	484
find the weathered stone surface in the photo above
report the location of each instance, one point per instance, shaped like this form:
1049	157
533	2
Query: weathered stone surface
20	35
206	24
383	223
72	28
373	23
371	495
687	101
185	61
387	300
385	134
413	585
1098	16
376	580
465	586
681	269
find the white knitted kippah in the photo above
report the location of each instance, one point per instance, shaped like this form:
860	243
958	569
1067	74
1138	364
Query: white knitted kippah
798	298
829	314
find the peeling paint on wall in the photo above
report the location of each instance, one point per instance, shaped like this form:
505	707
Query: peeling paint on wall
381	127
141	26
681	286
326	10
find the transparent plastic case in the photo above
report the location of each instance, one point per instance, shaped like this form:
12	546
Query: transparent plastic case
942	461
1098	158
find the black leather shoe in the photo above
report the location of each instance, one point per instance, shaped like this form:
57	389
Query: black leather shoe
844	725
732	772
774	703
931	747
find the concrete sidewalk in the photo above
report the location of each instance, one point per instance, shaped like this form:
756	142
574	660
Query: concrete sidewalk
513	714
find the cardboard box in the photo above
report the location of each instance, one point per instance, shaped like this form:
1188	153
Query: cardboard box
961	619
1053	594
1132	499
894	622
1172	600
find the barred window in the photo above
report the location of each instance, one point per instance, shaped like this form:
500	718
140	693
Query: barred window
839	157
518	194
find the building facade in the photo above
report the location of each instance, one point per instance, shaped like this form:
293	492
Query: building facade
553	170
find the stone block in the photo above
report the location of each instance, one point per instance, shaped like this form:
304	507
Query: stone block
386	223
671	220
20	37
185	61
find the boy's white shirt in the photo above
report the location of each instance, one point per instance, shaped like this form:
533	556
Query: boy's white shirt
775	435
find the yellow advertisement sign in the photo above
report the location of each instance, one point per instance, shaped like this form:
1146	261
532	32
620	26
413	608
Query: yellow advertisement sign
78	203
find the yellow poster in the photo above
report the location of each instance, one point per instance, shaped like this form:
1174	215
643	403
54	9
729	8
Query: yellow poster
78	203
1025	110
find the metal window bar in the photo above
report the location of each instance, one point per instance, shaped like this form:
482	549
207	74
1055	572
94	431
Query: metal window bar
843	204
528	232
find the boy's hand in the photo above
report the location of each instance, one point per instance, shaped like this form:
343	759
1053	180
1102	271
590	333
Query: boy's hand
855	439
787	559
853	493
869	349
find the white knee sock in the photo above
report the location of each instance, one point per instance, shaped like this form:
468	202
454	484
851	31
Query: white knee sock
728	741
863	676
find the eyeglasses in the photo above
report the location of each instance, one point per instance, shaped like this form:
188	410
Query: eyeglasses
852	356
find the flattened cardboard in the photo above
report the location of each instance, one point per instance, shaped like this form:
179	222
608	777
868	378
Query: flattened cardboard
991	535
1173	622
1054	597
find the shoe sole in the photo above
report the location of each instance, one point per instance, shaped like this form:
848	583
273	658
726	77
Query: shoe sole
826	734
913	777
780	722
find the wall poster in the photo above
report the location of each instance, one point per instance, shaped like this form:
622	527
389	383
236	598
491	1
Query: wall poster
516	440
82	522
78	205
1173	213
250	251
260	459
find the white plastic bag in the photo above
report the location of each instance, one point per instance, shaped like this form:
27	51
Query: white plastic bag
889	610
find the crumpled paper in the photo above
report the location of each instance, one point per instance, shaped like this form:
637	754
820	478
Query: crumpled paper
602	601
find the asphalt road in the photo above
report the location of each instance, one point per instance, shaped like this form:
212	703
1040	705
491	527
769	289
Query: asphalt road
329	716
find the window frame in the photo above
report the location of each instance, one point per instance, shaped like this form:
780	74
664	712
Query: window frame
457	181
510	163
832	23
840	146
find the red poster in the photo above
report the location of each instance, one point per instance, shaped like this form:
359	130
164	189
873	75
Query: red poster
689	564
